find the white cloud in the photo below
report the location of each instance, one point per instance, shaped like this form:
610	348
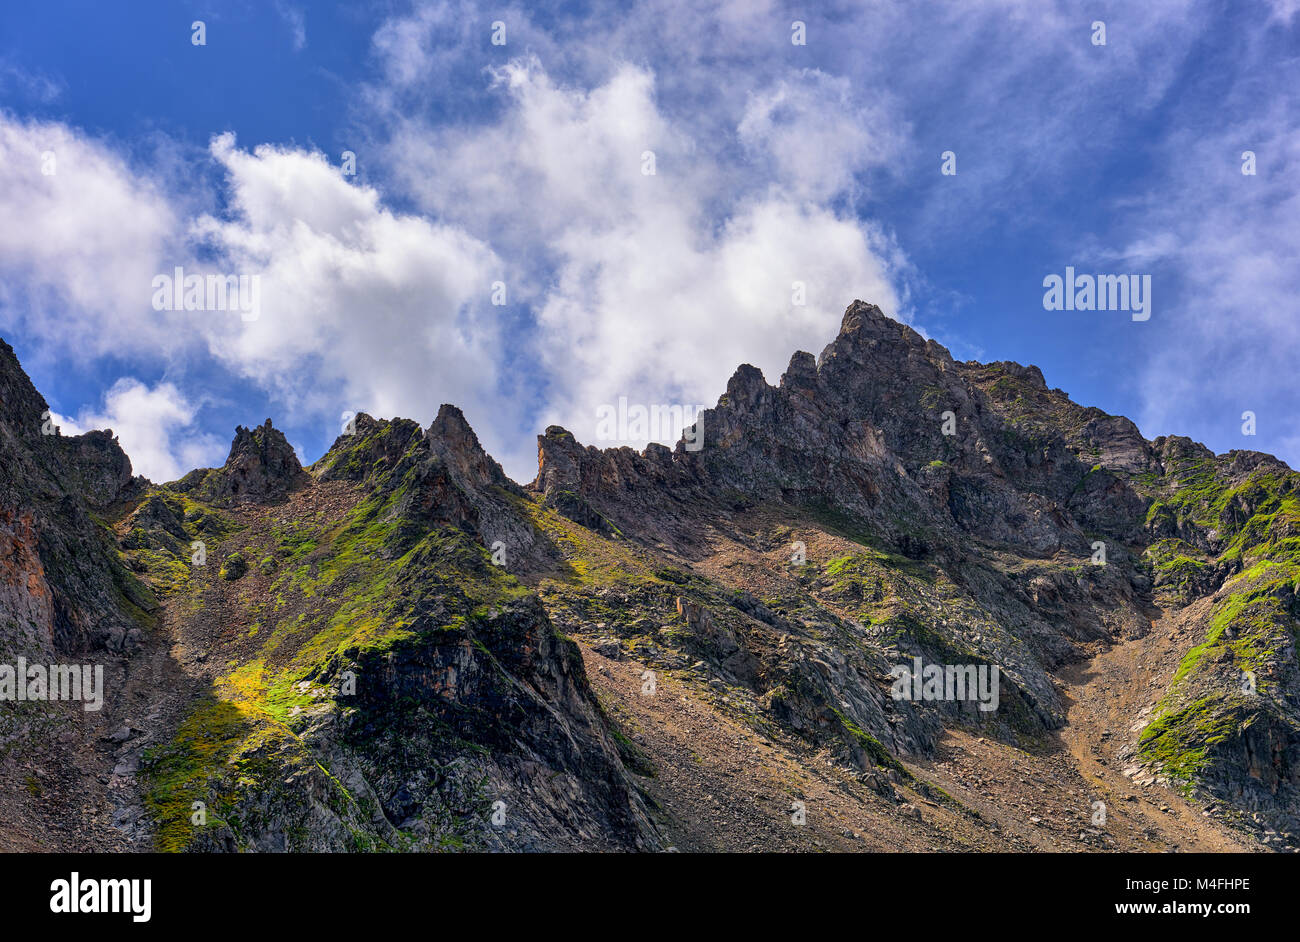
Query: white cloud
155	426
649	286
83	238
362	308
650	311
403	44
815	135
296	20
656	286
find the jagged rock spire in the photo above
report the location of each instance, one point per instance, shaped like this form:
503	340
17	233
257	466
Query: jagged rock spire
262	467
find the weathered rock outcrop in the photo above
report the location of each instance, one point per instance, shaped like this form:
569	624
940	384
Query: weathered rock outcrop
58	564
262	467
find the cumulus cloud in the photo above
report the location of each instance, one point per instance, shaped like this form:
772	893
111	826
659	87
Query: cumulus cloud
651	312
656	262
814	134
362	308
156	427
657	190
84	237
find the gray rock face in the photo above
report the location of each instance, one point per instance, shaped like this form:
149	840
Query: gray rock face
509	685
261	468
859	435
60	575
977	472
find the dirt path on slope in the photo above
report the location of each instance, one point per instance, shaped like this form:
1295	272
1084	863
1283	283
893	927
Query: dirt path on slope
1110	700
1046	792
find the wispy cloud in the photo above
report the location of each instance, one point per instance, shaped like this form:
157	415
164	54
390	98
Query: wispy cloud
1227	243
296	20
20	83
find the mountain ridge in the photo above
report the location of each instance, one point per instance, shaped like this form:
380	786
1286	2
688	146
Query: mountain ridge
945	511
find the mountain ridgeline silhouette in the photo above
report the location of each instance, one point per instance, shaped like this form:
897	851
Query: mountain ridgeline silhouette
399	648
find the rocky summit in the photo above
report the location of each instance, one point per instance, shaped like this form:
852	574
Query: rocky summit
895	602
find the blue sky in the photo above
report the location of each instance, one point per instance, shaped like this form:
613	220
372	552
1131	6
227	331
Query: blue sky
524	163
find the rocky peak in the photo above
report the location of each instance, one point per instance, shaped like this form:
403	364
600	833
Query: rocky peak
801	374
261	468
100	467
371	449
1179	451
566	471
1029	374
559	457
865	323
93	464
51	551
747	390
451	438
21	407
